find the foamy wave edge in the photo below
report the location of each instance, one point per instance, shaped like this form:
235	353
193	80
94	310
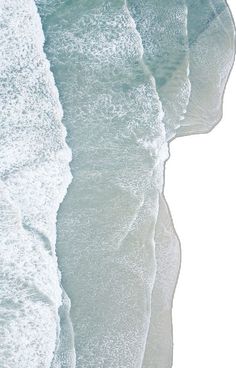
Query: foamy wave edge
34	181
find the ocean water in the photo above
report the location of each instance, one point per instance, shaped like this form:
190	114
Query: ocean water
90	284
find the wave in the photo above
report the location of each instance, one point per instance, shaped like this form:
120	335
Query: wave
34	176
119	151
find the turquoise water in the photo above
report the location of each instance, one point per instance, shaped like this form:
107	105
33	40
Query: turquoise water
130	76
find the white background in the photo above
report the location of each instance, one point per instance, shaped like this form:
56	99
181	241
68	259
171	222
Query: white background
201	192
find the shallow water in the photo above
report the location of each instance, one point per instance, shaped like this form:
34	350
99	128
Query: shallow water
163	28
211	56
106	224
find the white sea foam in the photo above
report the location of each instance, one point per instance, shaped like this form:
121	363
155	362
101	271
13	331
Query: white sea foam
35	174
